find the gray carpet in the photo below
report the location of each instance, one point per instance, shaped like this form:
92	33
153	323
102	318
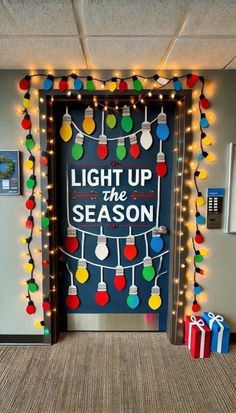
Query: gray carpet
115	373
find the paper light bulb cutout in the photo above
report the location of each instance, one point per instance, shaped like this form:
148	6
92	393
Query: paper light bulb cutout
119	279
200	271
78	84
204	102
29	163
82	274
155	300
31	182
133	298
77	150
102	296
32	286
26	240
130	249
203	252
112	84
161	80
63	84
126	121
29	266
200	220
71	241
161	167
205	139
197	289
199	239
45	221
26	100
198	256
204	122
29	141
26	122
137	84
102	147
72	299
177	84
200	174
30	203
24	84
195	307
90	84
48	82
134	148
29	223
162	129
148	271
208	156
46	304
191	79
146	137
157	243
46	331
43	159
123	85
30	309
101	250
121	149
88	122
111	120
66	130
200	199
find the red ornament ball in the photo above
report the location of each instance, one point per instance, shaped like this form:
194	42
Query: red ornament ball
102	297
135	151
191	80
123	86
71	244
72	302
161	169
130	252
199	237
195	306
30	309
102	151
119	282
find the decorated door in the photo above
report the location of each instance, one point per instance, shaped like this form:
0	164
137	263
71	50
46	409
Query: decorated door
114	173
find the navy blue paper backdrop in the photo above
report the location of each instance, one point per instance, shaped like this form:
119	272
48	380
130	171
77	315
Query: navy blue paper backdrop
147	159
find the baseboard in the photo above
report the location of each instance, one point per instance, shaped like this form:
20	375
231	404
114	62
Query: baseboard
21	339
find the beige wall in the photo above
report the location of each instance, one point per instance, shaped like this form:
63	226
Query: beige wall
219	283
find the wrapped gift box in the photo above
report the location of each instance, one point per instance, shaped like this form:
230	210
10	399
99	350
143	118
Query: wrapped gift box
197	337
220	332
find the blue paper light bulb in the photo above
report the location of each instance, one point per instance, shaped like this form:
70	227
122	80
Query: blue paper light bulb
197	289
162	129
204	122
200	220
157	243
48	82
200	156
78	85
133	298
177	84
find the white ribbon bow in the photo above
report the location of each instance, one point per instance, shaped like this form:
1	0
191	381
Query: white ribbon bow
219	319
200	323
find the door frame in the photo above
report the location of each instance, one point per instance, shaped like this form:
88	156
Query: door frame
179	203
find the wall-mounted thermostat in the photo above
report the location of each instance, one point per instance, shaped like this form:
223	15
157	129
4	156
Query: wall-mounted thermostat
215	197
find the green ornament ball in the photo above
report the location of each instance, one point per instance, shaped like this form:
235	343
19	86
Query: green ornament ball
30	183
111	120
45	221
121	152
33	287
148	273
77	151
198	258
127	123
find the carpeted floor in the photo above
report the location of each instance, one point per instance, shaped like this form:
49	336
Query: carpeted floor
115	373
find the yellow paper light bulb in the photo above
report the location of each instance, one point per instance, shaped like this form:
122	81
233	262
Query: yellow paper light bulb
28	267
155	300
200	200
37	324
88	122
66	130
202	175
203	252
112	84
82	273
29	163
207	141
210	157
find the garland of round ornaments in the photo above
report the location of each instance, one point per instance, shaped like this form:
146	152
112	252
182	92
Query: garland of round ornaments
121	85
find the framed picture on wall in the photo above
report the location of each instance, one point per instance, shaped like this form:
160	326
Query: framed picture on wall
10	172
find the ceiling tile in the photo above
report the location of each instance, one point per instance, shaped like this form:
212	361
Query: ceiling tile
211	17
52	53
32	17
133	17
131	53
232	64
200	54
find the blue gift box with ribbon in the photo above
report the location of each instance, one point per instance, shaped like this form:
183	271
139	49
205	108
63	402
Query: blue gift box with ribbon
220	332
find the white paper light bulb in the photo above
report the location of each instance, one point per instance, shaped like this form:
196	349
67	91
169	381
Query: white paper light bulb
146	137
101	250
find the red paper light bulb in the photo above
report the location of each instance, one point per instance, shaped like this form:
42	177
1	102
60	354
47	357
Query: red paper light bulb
26	122
130	250
45	263
134	149
72	299
195	306
102	148
200	271
101	295
46	304
191	79
204	102
30	309
71	242
43	159
29	223
123	85
24	84
119	279
63	84
199	237
30	203
161	167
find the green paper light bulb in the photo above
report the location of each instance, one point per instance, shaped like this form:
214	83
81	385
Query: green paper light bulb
121	149
198	257
31	182
77	150
32	286
45	221
137	84
46	331
111	120
90	86
126	121
148	269
29	142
